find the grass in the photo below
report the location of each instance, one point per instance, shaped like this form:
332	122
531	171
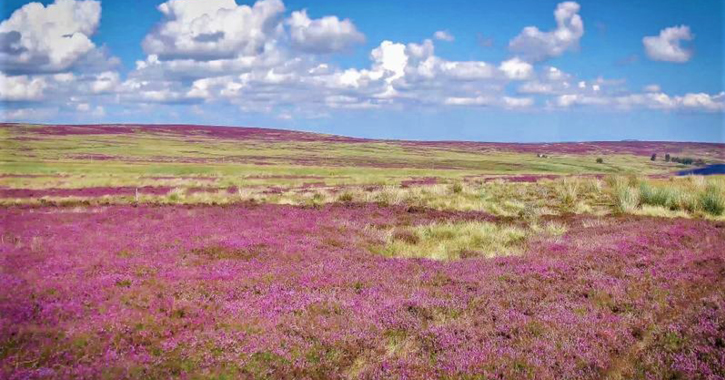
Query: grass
568	190
691	196
712	200
462	240
312	173
137	156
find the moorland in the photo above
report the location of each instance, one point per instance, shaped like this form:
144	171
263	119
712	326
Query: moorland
156	251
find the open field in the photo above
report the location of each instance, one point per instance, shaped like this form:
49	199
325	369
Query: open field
204	252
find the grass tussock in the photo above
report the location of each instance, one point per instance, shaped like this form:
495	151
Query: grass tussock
689	197
568	190
712	200
626	199
462	240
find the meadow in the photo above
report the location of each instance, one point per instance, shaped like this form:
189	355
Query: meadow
209	252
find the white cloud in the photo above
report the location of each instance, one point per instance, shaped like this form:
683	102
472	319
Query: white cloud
25	114
475	101
252	59
702	101
325	35
48	39
649	100
535	45
485	101
21	88
515	68
511	102
390	57
666	46
105	82
214	29
443	35
652	88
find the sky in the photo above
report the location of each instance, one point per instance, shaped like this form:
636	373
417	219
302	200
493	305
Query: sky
518	71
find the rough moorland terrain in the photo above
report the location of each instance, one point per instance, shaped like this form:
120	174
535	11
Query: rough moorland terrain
202	252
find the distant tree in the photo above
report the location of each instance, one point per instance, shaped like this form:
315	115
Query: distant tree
600	160
654	157
667	157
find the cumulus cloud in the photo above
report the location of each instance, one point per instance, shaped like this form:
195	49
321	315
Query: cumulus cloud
214	29
252	59
648	100
49	39
443	35
491	101
105	82
28	113
325	35
515	68
21	88
535	45
667	45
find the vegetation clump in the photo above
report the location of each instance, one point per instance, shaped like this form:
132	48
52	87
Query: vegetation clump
626	199
712	200
457	240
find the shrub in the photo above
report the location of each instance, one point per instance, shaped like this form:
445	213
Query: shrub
457	188
626	199
712	201
600	160
654	157
683	160
667	157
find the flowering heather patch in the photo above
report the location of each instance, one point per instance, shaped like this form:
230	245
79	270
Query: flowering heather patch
290	292
638	148
521	178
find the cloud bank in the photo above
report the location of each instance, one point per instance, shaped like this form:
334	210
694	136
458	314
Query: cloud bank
268	59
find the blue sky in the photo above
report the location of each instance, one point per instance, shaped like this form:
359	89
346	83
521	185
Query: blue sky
495	71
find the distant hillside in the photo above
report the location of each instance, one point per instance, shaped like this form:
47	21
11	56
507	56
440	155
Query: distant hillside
712	151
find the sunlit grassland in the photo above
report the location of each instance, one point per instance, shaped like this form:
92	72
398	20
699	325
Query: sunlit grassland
461	240
690	197
197	168
130	160
204	155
